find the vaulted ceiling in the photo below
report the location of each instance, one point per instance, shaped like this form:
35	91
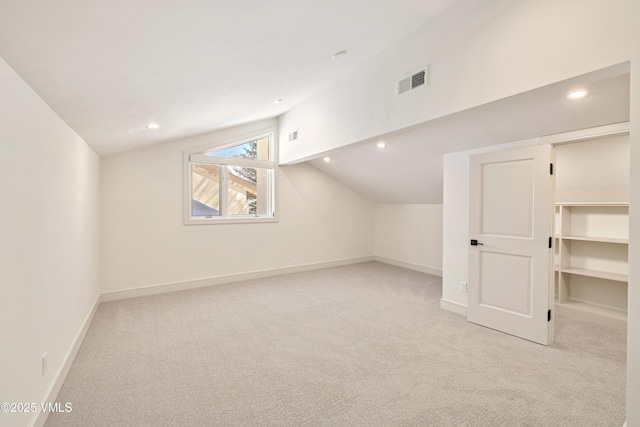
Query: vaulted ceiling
410	168
108	68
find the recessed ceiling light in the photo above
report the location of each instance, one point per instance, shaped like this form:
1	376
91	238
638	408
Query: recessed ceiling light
381	144
152	126
339	54
577	94
327	159
277	101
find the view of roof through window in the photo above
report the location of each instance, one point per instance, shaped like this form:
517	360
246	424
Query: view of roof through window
237	180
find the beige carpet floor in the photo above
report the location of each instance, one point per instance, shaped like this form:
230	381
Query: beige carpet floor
360	345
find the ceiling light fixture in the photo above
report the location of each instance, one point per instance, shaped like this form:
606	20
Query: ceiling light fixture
577	94
339	54
381	144
152	126
327	159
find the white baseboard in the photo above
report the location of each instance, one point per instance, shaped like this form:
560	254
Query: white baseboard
61	375
212	281
409	266
453	307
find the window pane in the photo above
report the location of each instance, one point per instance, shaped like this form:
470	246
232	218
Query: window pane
205	190
257	149
248	190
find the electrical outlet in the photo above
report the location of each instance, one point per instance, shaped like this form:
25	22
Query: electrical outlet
44	363
289	255
463	286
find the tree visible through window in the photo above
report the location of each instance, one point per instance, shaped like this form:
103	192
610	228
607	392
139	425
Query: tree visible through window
249	174
235	181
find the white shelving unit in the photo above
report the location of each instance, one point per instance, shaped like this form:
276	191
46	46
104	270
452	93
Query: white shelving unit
591	260
592	223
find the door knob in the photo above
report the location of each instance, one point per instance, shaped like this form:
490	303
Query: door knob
476	243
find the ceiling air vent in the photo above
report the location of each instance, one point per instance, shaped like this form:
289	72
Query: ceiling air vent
412	82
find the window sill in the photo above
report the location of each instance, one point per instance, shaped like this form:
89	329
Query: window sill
246	220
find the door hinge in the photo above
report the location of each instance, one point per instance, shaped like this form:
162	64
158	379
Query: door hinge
550	242
549	316
551	168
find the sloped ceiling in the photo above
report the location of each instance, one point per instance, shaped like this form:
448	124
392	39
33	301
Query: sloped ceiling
409	169
108	68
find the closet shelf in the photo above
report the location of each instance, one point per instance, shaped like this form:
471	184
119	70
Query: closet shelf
592	203
597	239
591	253
617	277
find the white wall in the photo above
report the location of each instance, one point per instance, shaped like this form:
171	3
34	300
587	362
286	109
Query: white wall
633	344
600	174
145	243
455	230
478	52
409	236
49	183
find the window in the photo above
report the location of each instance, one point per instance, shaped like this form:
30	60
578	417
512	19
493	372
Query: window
231	183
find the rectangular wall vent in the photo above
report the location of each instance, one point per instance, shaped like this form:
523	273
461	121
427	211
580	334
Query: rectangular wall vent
404	85
293	136
412	82
418	79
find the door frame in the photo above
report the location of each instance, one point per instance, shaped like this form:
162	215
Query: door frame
577	136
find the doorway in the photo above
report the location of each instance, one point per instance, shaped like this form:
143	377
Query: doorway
591	224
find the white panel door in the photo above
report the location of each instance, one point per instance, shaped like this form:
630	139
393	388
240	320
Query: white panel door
510	226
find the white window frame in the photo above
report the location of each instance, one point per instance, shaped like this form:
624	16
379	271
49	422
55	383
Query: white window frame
198	156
